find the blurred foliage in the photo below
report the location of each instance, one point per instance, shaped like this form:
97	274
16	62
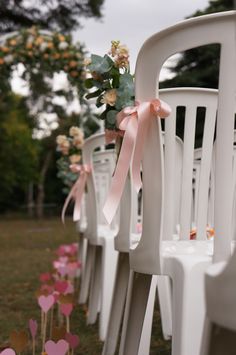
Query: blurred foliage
18	150
63	15
43	55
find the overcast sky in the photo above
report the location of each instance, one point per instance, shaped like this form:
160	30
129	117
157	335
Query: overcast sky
132	22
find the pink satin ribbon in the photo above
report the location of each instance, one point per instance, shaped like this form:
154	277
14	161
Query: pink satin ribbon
135	122
77	190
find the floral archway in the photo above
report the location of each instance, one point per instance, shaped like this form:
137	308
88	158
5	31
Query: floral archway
43	54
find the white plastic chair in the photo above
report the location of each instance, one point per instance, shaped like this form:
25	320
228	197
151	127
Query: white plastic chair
183	261
129	218
220	283
101	258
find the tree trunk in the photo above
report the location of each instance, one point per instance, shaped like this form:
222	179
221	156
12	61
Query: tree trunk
40	185
30	200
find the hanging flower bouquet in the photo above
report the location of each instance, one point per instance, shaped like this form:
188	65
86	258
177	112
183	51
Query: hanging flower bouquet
111	82
70	149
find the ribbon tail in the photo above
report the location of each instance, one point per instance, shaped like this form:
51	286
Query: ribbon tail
78	197
122	168
143	114
67	201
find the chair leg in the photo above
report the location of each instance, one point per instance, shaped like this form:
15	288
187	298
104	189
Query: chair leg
82	252
164	297
145	340
189	309
108	274
95	286
136	305
118	303
86	275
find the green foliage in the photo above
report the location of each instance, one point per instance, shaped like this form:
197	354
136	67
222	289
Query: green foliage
43	55
61	15
18	151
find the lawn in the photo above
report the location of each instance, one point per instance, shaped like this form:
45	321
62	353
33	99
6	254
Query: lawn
27	249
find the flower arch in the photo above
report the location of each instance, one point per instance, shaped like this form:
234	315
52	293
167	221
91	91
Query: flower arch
42	55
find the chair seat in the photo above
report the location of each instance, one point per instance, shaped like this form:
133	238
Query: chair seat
187	247
104	232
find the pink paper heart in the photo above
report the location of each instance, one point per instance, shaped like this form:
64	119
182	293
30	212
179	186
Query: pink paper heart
61	286
63	259
62	270
46	302
45	277
59	348
33	326
73	340
8	352
66	309
70	289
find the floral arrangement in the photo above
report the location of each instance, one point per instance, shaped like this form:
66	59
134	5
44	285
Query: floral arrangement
111	82
56	300
70	149
45	53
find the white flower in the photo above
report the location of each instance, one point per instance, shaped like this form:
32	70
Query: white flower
43	46
87	61
63	45
61	139
109	98
78	142
9	59
30	39
76	131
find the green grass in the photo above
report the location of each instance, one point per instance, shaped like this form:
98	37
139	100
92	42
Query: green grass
26	250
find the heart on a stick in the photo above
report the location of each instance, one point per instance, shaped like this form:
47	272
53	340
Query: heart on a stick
33	326
8	352
46	302
73	340
66	309
59	348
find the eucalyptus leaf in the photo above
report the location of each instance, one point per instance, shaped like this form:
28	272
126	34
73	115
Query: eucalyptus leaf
100	64
111	117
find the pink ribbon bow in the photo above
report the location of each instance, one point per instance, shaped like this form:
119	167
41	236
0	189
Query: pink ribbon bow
77	190
135	122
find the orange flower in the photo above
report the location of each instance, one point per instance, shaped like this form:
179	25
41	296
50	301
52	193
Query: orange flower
56	56
61	38
73	64
66	55
1	61
30	54
13	42
29	45
50	45
39	40
73	73
5	49
46	55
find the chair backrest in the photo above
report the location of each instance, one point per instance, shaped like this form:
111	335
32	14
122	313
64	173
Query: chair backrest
215	28
102	162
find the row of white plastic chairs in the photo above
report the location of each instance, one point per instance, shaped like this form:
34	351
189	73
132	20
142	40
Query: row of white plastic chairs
120	259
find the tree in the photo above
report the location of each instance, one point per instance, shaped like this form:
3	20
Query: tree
18	151
57	15
199	67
